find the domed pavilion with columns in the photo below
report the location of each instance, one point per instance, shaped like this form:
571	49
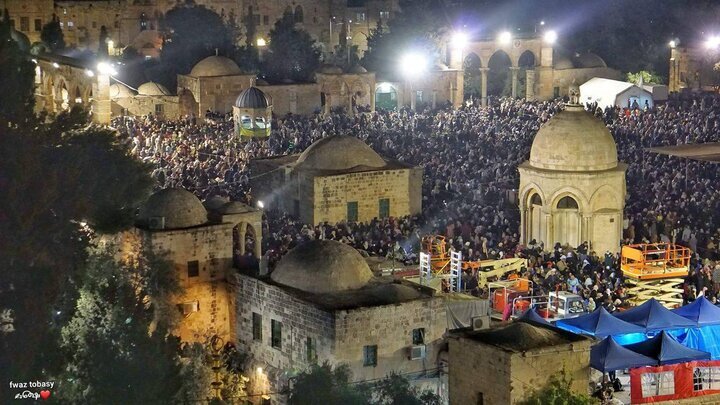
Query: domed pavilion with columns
572	189
252	113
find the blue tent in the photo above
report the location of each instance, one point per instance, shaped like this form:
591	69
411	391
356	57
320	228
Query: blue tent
701	311
667	350
532	316
608	355
653	316
599	323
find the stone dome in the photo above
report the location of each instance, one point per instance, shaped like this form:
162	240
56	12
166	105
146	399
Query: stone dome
252	97
322	266
574	140
20	39
118	90
357	69
153	89
339	152
589	60
235	207
329	69
179	207
215	66
215	202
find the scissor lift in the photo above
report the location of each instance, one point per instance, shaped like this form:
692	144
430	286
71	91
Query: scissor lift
655	270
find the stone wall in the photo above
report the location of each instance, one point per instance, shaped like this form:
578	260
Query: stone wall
390	327
24	13
216	93
332	193
501	377
145	105
296	98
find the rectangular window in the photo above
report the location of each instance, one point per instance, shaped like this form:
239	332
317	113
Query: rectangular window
276	334
352	211
657	384
360	17
159	109
94	24
257	326
311	350
418	336
71	24
256	19
556	92
266	20
38	25
385	15
370	356
384	204
24	24
419	96
706	378
193	268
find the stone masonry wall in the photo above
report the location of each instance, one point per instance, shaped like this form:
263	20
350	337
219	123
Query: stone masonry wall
332	193
477	369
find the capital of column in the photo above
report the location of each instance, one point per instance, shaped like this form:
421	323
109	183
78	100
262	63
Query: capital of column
484	70
514	68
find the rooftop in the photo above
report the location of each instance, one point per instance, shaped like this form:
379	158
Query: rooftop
521	336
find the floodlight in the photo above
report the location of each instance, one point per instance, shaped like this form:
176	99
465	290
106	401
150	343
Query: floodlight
89	73
413	64
261	42
713	42
105	68
260	204
384	87
55	65
550	37
459	40
505	38
259	370
672	44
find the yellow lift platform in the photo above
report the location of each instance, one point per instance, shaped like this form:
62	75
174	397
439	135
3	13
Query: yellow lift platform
655	270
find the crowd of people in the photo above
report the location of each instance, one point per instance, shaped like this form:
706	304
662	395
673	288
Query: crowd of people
470	158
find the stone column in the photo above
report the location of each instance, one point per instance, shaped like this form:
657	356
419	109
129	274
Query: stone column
483	86
530	84
413	96
524	224
434	99
514	73
372	97
328	103
101	100
242	231
585	230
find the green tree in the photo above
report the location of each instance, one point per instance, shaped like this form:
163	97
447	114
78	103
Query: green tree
291	54
16	79
323	384
198	374
396	389
646	76
52	34
117	343
558	391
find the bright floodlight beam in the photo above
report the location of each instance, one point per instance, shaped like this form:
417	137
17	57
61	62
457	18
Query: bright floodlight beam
413	64
105	68
505	38
550	37
459	40
672	44
260	204
713	42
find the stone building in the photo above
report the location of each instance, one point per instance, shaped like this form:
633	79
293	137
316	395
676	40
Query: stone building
501	366
322	303
203	248
572	189
213	84
349	90
252	113
151	99
28	17
338	178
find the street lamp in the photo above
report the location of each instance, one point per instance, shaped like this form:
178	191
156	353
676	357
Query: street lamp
505	38
550	37
459	40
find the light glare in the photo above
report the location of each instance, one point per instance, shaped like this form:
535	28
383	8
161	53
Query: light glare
413	64
550	37
505	38
459	40
713	42
105	68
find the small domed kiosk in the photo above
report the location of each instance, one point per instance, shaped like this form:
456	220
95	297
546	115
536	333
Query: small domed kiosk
572	189
252	113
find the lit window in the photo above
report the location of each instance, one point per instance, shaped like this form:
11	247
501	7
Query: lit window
360	17
384	15
70	24
657	384
370	356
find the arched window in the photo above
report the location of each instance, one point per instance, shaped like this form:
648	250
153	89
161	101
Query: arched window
567	203
288	10
536	200
299	14
143	22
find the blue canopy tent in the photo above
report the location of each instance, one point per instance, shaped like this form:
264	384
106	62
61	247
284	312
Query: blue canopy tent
653	316
600	323
532	316
608	355
701	311
667	350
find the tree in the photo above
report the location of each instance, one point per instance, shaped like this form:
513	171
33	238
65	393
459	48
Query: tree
396	389
52	34
292	53
16	79
118	345
644	75
557	391
198	374
193	33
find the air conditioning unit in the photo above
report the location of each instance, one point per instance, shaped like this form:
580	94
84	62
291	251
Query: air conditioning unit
480	322
417	352
157	223
190	307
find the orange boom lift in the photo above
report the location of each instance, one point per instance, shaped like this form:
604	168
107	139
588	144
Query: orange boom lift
655	270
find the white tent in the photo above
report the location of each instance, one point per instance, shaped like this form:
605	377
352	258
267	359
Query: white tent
608	93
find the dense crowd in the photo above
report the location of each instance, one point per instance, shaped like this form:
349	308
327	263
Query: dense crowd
470	158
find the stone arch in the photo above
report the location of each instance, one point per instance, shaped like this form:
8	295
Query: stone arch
299	15
604	198
246	246
576	194
288	10
88	93
188	104
472	65
566	212
534	212
386	96
526	58
529	190
499	77
61	94
77	95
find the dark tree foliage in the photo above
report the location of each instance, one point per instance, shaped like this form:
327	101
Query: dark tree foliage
52	35
117	345
16	78
419	26
291	54
193	33
558	391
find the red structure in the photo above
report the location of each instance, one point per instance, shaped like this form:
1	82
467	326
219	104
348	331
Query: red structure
674	381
